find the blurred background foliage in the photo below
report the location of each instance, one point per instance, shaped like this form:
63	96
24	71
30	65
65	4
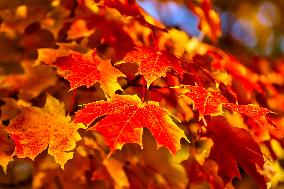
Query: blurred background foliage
248	26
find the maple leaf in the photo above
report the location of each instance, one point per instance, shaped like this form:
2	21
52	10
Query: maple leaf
153	63
88	69
207	103
37	128
233	146
211	103
125	116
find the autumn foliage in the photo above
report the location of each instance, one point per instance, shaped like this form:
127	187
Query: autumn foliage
99	94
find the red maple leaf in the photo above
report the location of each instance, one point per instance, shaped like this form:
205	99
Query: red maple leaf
153	63
87	69
211	103
207	103
125	116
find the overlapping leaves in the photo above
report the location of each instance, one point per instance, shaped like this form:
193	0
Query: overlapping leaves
119	32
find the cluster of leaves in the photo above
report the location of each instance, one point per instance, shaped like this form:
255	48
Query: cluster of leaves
117	73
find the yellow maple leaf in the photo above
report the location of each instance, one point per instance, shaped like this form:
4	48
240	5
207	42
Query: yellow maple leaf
35	129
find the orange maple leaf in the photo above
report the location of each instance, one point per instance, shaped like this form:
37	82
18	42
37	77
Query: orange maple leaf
125	116
86	69
153	63
37	128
